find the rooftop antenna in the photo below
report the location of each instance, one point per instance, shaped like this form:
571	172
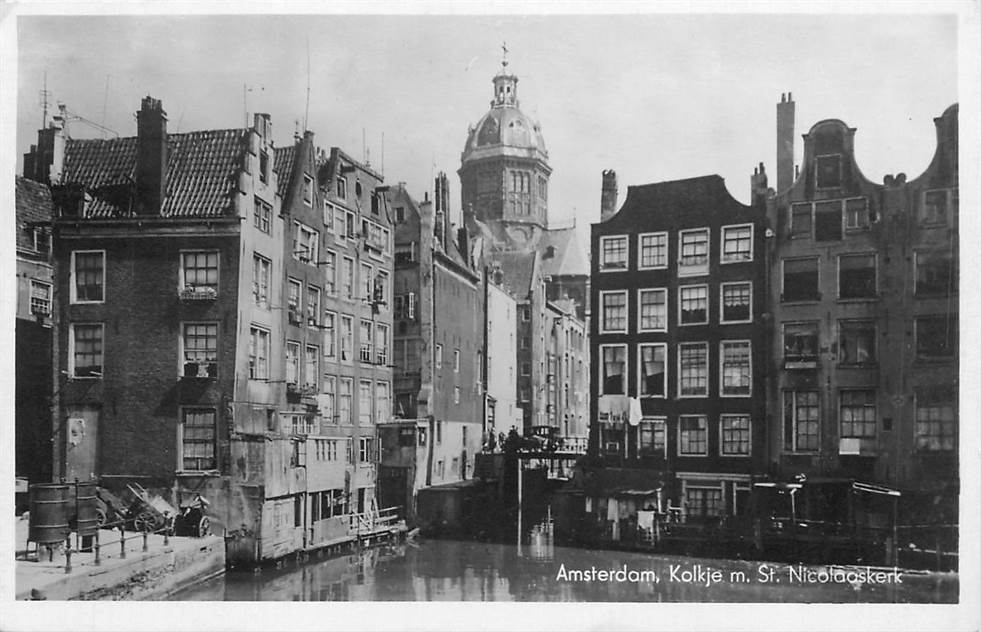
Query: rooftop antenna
105	103
44	94
306	112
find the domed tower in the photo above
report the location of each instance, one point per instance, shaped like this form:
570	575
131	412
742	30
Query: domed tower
504	171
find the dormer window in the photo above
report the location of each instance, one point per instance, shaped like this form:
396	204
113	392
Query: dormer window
828	171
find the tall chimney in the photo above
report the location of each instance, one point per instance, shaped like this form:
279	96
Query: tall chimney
151	161
608	196
46	160
785	142
757	183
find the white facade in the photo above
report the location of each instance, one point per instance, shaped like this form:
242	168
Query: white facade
502	350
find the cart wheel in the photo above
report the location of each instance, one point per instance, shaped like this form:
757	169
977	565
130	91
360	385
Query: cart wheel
143	522
100	517
204	527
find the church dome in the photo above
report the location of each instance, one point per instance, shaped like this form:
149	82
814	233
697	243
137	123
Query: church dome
505	128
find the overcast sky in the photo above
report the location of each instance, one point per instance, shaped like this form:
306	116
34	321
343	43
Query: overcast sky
655	97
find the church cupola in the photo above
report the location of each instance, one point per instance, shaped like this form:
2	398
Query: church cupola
505	85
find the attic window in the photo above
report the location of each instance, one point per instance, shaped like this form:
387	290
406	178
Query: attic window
263	166
307	190
357	188
828	171
399	214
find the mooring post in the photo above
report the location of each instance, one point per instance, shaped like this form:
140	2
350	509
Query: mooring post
122	542
145	535
68	554
97	560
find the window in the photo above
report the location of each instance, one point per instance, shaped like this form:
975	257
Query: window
526	368
40	298
653	370
86	349
311	367
737	243
694	252
614	368
200	348
936	336
342	188
307	190
347	278
935	208
261	216
305	243
526	313
405	253
613	253
856	214
801	423
827	171
800	221
857	414
263	166
258	353
329	211
439	356
651	437
347	338
292	362
399	214
693	369
330	273
653	251
737	368
735	435
365	333
261	273
703	502
936	420
381	288
800	280
326	403
350	221
366	452
856	276
404	307
934	273
456	360
367	283
42	240
344	401
800	344
383	407
313	306
653	310
198	430
364	402
856	341
199	271
827	220
692	435
88	276
456	394
381	344
736	302
293	300
693	304
614	312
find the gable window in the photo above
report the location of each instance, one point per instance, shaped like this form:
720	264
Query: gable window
330	334
694	252
735	435
307	190
856	341
936	419
827	171
330	273
737	243
800	280
934	273
614	314
258	353
305	242
736	302
292	362
936	207
653	310
261	216
856	214
801	423
614	368
85	345
344	401
88	276
313	306
693	304
341	187
856	412
936	336
40	298
198	432
651	437
42	240
693	369
293	300
199	342
856	276
653	370
692	435
800	221
737	368
399	214
800	345
653	251
827	220
263	166
347	278
613	253
311	367
261	273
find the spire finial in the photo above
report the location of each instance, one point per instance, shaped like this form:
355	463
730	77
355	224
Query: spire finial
504	56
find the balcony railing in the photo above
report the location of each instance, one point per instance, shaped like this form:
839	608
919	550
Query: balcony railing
193	293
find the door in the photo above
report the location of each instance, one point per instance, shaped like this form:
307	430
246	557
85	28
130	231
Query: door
82	442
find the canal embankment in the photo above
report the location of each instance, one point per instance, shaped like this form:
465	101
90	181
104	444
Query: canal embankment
140	567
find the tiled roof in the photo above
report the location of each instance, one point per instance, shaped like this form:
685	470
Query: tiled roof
518	269
202	168
568	255
33	203
283	162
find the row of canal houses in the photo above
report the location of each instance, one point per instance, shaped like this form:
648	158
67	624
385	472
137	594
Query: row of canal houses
809	335
273	328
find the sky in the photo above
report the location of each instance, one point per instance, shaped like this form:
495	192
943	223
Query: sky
655	97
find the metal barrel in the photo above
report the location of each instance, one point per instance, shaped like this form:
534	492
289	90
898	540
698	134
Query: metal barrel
87	518
48	522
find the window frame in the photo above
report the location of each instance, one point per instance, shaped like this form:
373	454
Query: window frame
73	280
749	435
262	215
182	360
601	390
181	438
603	265
722	248
314	380
817	171
341	338
680	392
842	325
640	311
800	360
312	237
722	366
694	269
875	272
307	190
35	304
722	301
937	400
72	360
640	250
654	421
704	431
330	272
864	407
783	279
795	421
182	270
626	311
263	264
954	338
708	307
948	256
292	345
253	374
949	211
640	370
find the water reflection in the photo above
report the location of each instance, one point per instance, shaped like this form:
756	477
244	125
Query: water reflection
444	570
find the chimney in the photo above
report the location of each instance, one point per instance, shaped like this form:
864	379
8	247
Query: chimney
785	142
463	243
46	160
757	183
151	160
608	196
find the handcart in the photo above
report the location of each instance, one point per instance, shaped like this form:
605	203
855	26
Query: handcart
191	520
148	512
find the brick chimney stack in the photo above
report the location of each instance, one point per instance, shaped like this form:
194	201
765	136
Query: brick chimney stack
608	196
46	160
758	185
151	162
785	142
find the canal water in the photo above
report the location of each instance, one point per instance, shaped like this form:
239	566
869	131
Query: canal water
447	570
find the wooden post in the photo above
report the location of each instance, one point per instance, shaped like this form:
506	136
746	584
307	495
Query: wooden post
122	542
68	554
